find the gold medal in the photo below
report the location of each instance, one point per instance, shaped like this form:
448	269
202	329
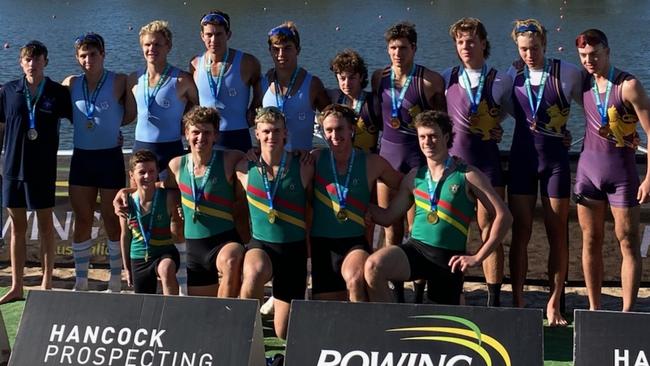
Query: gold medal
474	119
395	122
604	131
272	216
533	124
146	257
90	124
341	215
432	217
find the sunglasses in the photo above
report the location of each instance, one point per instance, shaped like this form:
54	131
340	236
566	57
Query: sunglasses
527	28
215	18
89	38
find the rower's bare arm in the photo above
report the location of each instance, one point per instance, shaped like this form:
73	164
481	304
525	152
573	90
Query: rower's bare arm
174	211
125	244
398	206
481	188
385	172
635	94
320	99
434	90
187	90
254	69
241	171
173	172
126	98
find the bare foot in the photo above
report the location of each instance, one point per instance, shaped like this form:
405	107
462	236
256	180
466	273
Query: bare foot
14	294
555	318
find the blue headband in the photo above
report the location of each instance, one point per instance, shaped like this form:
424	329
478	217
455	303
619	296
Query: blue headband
283	30
215	18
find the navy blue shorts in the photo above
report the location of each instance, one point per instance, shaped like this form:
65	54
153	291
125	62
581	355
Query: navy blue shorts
235	140
164	151
98	168
30	195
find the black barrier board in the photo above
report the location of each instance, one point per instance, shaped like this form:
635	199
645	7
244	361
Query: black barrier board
5	351
323	333
607	338
71	328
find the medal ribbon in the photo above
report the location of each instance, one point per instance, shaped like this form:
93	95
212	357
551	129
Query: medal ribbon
474	99
197	191
32	101
433	190
602	107
146	233
281	99
215	87
540	93
357	105
90	102
342	191
149	98
397	103
271	192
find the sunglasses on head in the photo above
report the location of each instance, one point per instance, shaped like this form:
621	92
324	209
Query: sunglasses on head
89	38
527	28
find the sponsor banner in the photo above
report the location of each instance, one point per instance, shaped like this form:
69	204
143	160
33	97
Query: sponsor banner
71	328
609	338
327	333
5	351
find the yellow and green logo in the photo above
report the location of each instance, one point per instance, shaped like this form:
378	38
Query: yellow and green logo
468	336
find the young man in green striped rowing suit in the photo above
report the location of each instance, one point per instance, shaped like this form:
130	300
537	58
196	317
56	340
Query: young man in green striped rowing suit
343	182
205	178
445	191
277	188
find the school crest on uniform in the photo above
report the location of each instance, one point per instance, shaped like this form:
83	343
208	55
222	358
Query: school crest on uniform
232	92
454	188
302	116
292	187
165	103
355	181
104	105
46	104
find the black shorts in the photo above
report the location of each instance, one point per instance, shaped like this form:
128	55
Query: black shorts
31	195
432	264
202	257
327	256
289	262
98	168
145	274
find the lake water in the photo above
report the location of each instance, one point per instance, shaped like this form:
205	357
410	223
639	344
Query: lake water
361	26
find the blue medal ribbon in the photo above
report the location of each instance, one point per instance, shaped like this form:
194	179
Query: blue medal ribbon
433	189
32	101
534	106
602	107
357	105
397	102
271	192
149	98
474	99
215	87
146	233
342	191
90	101
197	190
281	99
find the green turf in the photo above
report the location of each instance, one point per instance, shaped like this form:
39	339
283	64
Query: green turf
558	342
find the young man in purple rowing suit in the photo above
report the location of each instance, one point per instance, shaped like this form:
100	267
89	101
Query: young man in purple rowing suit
478	97
543	89
30	112
224	78
614	101
404	89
